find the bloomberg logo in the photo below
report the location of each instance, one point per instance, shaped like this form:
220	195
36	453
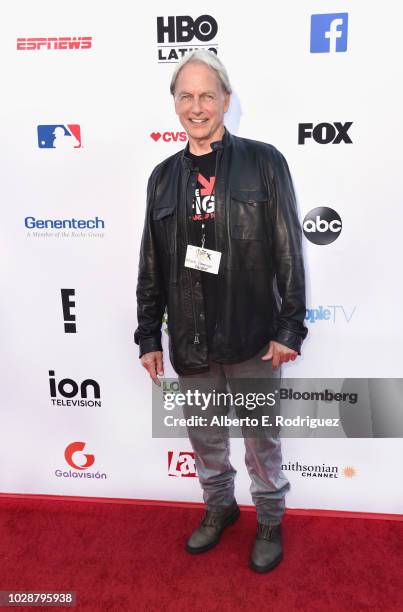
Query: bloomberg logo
183	29
322	225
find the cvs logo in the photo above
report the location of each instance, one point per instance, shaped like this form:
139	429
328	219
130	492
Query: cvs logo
72	449
322	225
181	463
169	136
324	133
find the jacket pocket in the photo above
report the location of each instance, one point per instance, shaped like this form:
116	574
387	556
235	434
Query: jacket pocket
164	225
247	215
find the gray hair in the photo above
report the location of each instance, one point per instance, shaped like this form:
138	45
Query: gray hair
202	56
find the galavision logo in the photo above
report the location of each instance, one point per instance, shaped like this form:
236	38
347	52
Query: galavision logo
174	33
80	462
78	447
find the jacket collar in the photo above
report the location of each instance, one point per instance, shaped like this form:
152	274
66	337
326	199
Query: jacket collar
216	145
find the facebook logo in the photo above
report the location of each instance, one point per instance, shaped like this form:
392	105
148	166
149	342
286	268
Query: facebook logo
329	33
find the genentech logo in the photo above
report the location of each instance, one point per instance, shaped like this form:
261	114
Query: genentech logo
169	136
181	463
67	392
64	228
50	43
175	33
325	133
76	458
61	136
319	470
322	225
80	462
69	317
334	313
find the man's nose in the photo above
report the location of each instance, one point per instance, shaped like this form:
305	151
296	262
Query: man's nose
196	105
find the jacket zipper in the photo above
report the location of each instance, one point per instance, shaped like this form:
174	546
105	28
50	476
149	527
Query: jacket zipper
196	333
219	153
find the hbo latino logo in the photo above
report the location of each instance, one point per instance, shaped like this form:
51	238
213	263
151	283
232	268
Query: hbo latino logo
322	225
174	35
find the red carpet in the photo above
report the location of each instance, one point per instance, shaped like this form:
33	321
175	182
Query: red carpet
128	557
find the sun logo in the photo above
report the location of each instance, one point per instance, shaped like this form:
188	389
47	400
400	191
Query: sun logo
349	471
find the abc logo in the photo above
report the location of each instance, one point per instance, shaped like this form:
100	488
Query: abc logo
183	29
322	225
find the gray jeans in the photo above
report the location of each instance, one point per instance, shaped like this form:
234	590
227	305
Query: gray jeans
212	450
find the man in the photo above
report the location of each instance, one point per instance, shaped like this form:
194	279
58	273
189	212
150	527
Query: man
221	225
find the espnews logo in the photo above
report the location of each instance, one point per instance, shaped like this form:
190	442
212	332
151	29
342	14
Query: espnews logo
61	43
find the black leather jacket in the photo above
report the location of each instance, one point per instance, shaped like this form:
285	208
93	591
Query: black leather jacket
259	235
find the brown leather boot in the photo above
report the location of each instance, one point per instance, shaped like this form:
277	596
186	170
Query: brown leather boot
213	524
267	550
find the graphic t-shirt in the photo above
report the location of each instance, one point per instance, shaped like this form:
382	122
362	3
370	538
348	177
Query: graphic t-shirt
202	222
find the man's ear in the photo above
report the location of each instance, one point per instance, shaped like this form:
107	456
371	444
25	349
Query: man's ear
227	101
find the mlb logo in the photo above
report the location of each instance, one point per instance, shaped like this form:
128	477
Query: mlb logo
59	136
181	463
329	33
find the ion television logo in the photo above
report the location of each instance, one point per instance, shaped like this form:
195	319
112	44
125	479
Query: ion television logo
61	136
322	225
181	463
176	33
67	392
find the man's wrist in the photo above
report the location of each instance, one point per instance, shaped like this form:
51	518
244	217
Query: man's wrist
149	345
289	339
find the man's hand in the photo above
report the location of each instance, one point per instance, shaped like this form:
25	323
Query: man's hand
153	363
279	354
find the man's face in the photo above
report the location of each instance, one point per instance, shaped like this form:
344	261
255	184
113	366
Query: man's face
200	102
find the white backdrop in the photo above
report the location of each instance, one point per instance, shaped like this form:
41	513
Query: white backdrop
116	88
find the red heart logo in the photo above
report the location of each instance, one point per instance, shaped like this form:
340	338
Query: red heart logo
155	135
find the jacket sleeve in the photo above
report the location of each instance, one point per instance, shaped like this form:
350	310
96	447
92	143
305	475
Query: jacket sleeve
287	255
151	300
